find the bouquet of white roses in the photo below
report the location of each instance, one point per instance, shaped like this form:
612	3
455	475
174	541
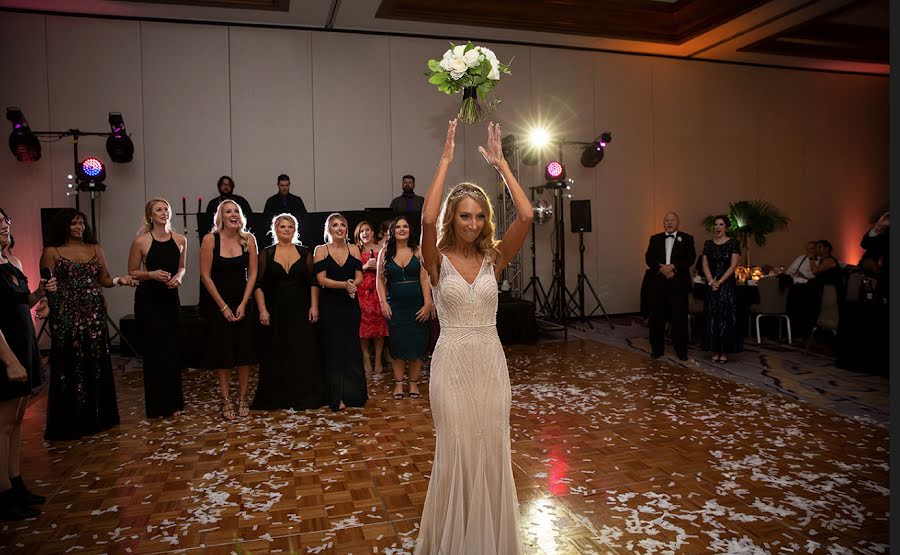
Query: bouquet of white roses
474	70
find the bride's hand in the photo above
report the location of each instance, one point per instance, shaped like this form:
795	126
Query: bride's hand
450	143
493	154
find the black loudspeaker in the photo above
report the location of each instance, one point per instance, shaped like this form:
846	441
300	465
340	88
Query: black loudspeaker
580	215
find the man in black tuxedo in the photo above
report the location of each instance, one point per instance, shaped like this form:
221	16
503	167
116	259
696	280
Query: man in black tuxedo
669	257
284	201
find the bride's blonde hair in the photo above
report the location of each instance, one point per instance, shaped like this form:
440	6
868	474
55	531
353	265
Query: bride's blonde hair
485	243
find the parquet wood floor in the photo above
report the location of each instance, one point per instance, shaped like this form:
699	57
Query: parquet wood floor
612	453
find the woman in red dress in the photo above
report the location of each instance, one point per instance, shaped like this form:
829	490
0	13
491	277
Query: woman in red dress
373	326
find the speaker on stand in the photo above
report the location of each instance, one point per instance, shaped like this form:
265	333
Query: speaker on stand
581	224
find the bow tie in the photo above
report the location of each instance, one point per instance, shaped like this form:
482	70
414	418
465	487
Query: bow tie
672	235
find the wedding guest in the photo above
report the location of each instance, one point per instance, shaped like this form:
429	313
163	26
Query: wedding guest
339	272
721	256
21	371
225	185
228	266
157	262
800	267
284	202
826	268
669	258
405	295
373	327
876	242
408	201
291	366
82	395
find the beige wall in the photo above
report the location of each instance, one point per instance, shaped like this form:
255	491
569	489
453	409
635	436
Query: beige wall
346	115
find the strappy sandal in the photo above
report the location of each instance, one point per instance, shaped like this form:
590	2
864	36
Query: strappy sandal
228	409
399	396
414	395
243	407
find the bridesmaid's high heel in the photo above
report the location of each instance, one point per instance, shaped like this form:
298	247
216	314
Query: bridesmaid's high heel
243	406
228	409
399	396
414	395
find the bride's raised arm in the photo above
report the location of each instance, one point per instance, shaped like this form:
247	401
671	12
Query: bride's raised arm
518	230
432	207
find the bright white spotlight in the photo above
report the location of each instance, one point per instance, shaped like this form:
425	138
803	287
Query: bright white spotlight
539	137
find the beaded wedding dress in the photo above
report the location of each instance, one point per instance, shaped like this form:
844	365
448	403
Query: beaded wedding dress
471	505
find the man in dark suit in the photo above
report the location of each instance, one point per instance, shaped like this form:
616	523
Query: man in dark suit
226	192
284	202
669	257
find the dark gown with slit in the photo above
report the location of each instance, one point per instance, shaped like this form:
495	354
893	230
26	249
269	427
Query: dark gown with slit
82	396
18	329
340	317
157	311
720	333
291	374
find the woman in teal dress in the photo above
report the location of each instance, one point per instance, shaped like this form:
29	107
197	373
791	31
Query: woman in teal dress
405	294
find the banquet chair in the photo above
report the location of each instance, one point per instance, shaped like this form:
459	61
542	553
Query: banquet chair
772	302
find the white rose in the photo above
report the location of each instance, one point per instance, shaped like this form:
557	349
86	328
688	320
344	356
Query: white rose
458	68
459	51
472	58
494	75
446	63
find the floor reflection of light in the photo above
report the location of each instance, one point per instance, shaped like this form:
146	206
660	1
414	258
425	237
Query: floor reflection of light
538	525
556	478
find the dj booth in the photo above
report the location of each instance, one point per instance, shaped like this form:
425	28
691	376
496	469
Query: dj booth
516	323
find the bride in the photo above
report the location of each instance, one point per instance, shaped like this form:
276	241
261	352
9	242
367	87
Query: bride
471	504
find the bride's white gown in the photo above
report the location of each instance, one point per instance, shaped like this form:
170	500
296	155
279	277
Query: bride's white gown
471	506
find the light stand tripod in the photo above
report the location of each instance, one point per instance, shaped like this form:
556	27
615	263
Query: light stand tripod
538	293
579	289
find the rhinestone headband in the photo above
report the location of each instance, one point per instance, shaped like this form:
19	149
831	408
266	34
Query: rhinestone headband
466	192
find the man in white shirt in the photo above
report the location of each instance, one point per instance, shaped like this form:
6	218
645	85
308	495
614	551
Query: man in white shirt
800	266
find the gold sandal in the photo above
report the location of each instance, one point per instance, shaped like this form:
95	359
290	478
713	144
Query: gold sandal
243	407
228	409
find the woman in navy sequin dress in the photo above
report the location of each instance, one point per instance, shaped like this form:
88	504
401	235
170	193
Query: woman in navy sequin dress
721	256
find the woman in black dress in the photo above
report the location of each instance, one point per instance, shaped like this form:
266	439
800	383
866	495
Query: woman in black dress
81	399
161	253
721	256
339	271
20	372
290	366
228	262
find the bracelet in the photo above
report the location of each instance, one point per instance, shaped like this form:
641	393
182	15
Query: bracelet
115	281
224	308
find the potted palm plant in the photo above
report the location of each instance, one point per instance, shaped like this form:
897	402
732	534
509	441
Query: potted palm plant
751	218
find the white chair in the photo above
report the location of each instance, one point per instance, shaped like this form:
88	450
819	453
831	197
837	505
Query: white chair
772	302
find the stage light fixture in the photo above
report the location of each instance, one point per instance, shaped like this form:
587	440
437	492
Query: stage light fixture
118	144
539	137
91	173
593	153
509	144
555	171
23	143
